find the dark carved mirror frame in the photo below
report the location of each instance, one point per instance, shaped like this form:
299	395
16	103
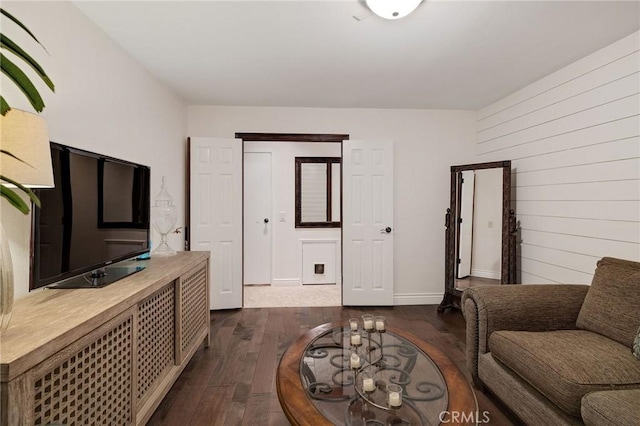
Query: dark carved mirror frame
508	256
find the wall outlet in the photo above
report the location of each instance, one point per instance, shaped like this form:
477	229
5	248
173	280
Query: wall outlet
282	216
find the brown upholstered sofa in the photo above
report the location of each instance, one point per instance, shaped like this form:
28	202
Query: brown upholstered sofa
560	354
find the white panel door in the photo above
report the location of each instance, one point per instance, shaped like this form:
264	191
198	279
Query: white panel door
367	223
465	224
216	215
257	217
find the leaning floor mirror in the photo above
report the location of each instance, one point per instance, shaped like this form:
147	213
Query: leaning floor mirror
480	230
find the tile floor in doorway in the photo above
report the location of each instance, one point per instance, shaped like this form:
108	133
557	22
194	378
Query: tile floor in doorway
266	296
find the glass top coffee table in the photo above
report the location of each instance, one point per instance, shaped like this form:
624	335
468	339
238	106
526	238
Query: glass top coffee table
321	381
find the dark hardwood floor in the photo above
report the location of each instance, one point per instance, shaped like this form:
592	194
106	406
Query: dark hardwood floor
233	381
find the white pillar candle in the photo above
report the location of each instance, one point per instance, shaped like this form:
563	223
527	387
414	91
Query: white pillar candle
368	324
353	324
355	339
395	400
368	385
380	325
354	361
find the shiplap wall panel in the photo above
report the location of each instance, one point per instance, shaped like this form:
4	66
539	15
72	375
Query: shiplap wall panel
596	172
625	150
574	141
606	94
599	80
574	261
535	279
627	211
560	274
578	244
592	191
622	108
597	60
613	131
593	228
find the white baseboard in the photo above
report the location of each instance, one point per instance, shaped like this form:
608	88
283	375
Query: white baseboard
286	282
480	273
417	299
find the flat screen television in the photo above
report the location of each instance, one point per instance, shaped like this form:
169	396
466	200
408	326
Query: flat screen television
96	216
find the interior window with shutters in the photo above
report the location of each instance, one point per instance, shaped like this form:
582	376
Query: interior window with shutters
317	192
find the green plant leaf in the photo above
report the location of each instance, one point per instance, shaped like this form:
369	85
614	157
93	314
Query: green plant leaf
4	106
14	199
8	44
22	81
14	19
15	74
24	189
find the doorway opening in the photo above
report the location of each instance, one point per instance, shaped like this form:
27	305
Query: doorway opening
366	241
286	265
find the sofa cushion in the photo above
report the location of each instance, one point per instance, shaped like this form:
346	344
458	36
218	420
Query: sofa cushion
611	305
612	408
564	365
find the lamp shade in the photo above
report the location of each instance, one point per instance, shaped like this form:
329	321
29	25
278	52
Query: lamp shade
392	9
25	136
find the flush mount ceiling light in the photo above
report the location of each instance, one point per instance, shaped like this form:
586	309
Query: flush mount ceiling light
392	9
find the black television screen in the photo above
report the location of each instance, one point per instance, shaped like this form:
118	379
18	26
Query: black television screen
97	214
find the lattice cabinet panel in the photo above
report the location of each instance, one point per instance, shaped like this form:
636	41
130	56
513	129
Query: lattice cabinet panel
104	356
194	315
156	334
90	382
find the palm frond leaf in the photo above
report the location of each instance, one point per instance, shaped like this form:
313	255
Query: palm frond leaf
14	199
23	188
15	74
21	25
22	81
12	47
4	106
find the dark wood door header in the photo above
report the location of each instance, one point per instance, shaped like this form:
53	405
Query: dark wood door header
291	137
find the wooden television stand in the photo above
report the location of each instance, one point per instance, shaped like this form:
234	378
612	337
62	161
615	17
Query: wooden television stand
106	355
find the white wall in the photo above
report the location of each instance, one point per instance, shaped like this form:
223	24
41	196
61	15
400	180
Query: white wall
573	138
427	143
286	242
104	102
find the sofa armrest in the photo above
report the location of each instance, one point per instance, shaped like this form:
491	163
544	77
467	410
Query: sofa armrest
517	307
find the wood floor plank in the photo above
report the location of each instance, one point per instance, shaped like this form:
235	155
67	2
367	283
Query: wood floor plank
267	358
274	402
231	365
278	419
257	411
256	318
203	369
245	377
212	407
233	381
219	341
181	409
235	413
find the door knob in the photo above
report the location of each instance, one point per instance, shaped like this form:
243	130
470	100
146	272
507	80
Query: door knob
386	230
266	220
